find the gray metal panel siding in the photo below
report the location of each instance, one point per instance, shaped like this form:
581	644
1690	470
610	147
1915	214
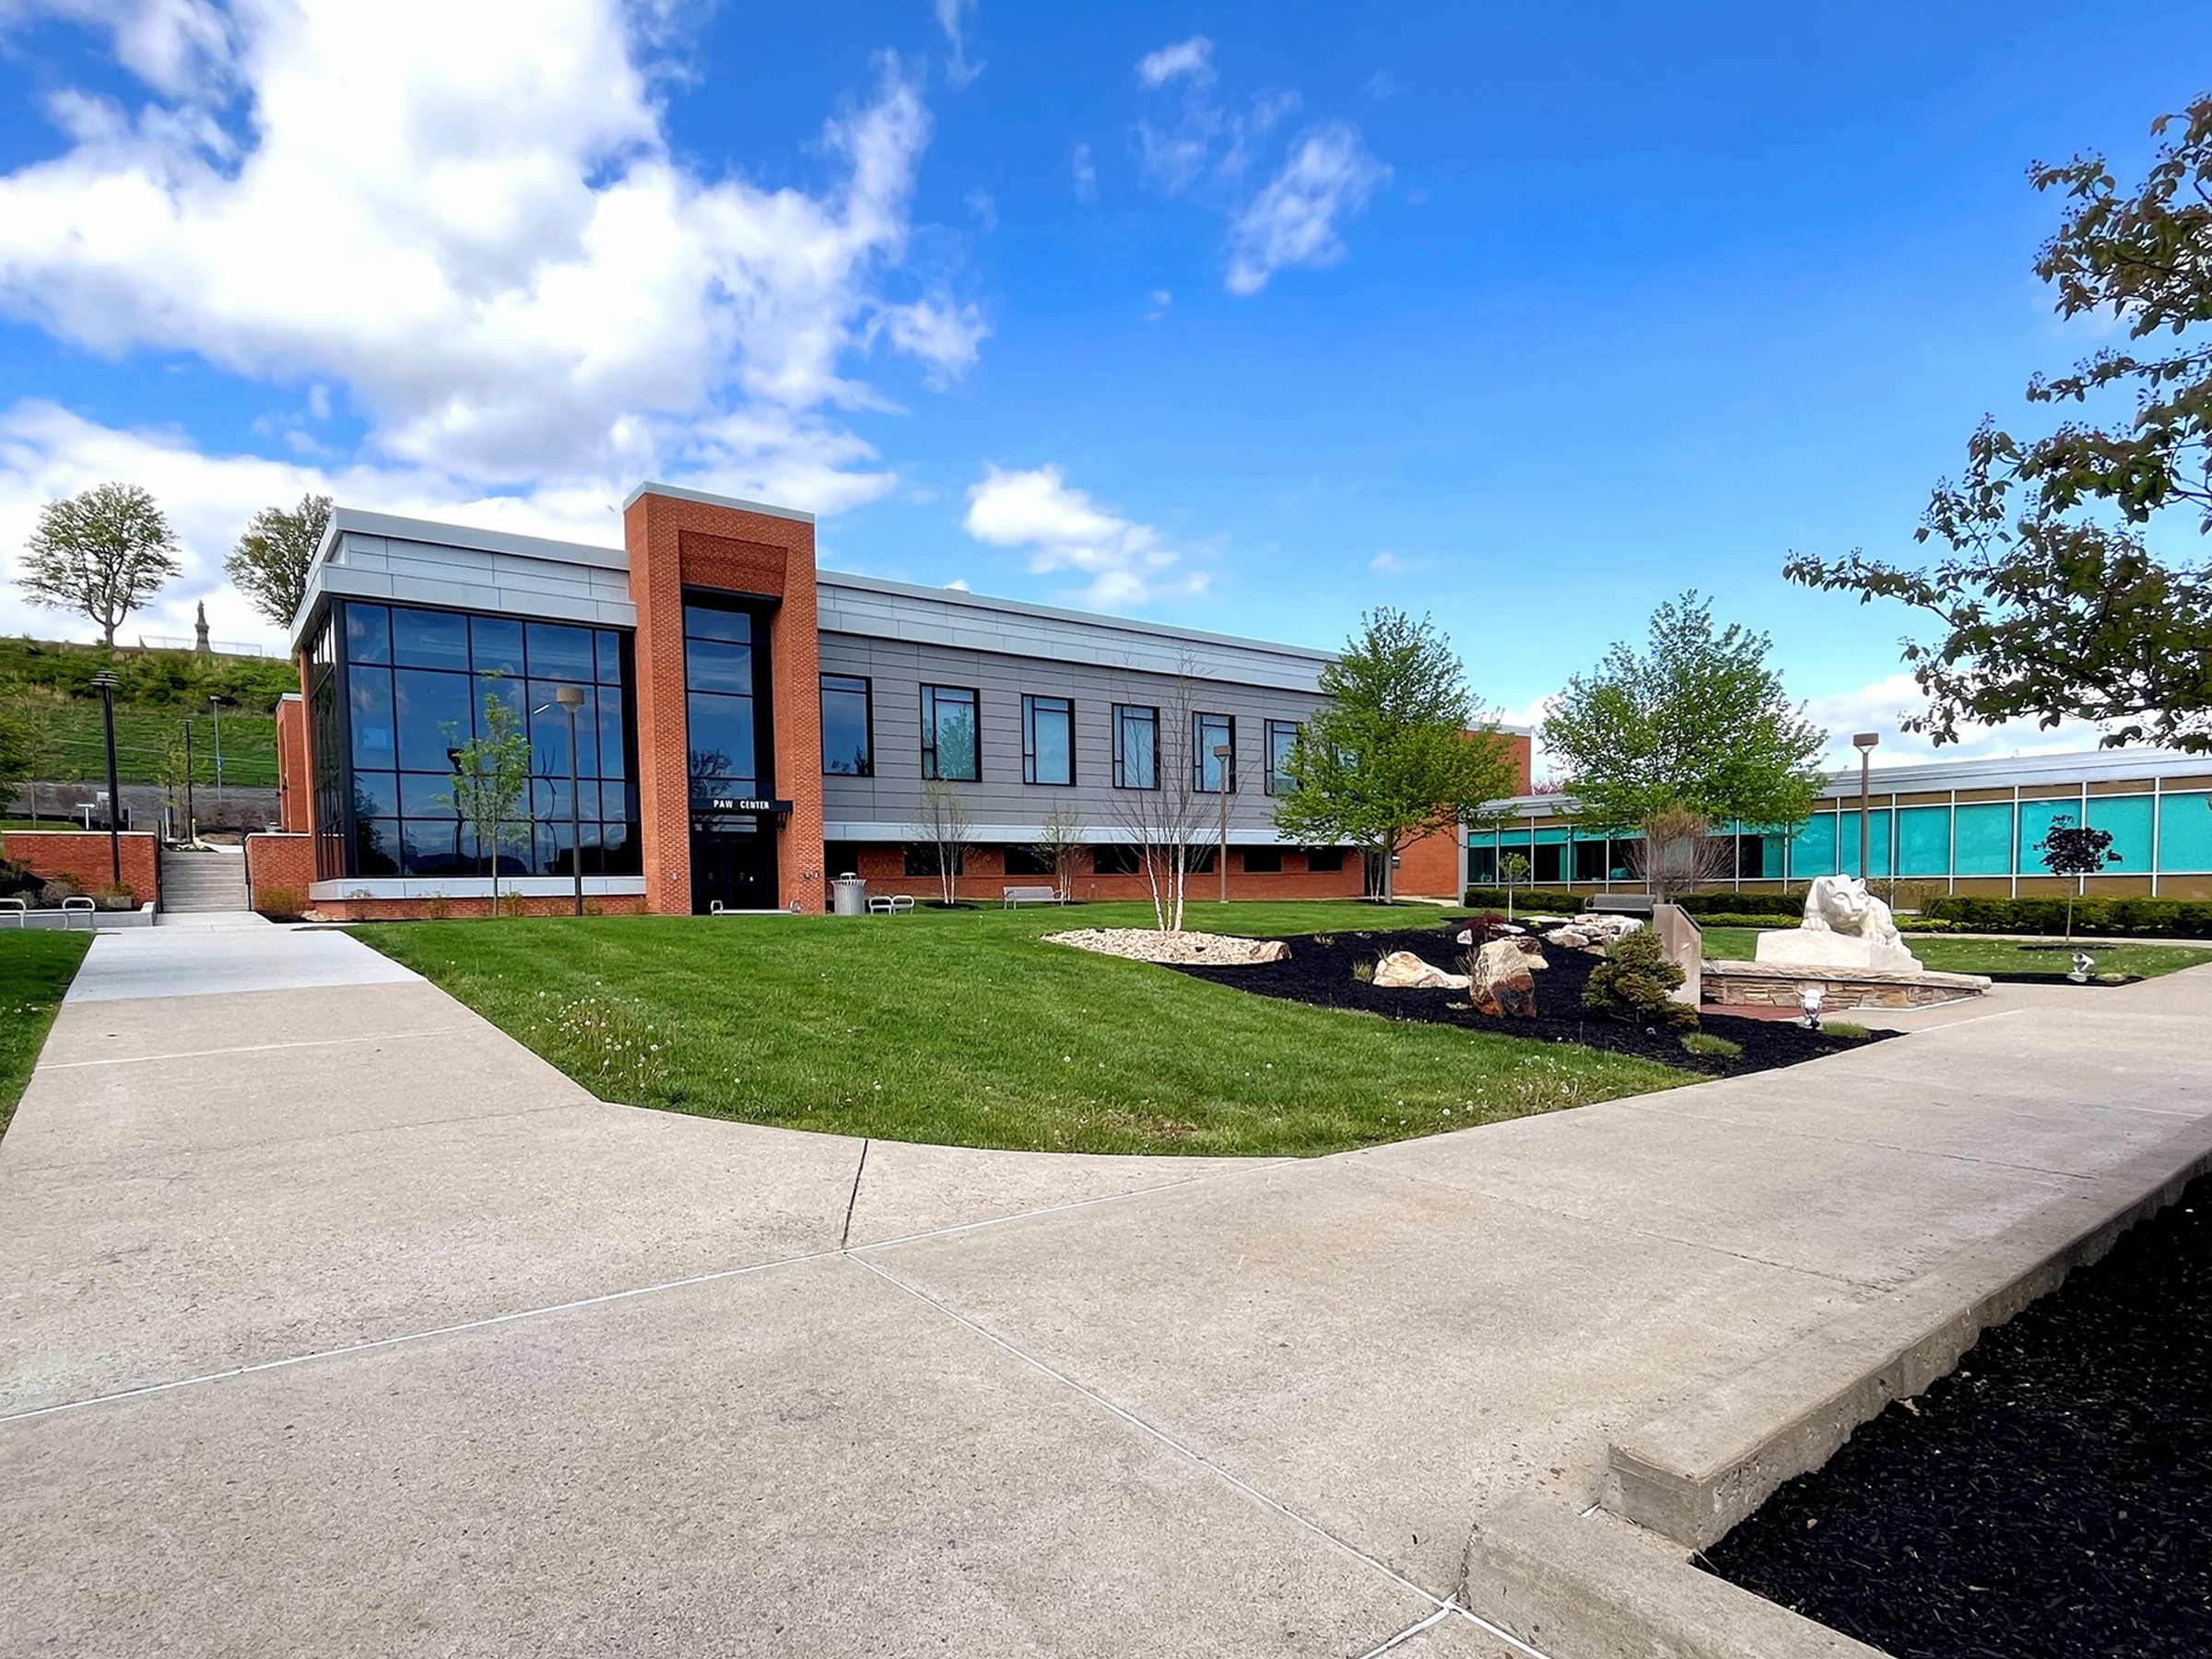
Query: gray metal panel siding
1001	806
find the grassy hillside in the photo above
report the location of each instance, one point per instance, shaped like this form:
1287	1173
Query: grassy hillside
49	684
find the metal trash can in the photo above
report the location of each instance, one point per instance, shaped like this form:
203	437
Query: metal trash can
848	896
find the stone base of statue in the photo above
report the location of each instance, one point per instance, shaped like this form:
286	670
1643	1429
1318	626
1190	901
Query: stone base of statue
1848	945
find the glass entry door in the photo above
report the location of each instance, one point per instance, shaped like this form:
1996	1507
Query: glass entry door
735	868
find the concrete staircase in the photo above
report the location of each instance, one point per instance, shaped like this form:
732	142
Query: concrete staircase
197	880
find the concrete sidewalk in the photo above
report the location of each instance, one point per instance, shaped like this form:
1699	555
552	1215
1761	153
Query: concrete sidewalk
341	1324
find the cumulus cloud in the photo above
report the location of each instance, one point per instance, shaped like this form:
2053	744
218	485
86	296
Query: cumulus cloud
1127	563
1329	177
490	249
1086	175
1879	707
1191	60
956	18
1160	300
1387	563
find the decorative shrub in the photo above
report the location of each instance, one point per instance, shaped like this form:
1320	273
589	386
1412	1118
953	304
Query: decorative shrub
1635	981
1524	899
115	896
58	889
2170	918
282	903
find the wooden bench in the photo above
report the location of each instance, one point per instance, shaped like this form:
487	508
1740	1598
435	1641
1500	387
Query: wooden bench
891	904
1016	896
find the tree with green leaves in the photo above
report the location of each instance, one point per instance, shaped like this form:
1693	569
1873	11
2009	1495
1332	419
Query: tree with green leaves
2075	851
1695	730
270	563
1398	749
2053	605
20	746
491	778
102	554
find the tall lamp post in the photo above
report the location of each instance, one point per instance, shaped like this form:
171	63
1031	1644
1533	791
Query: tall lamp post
571	698
216	700
1223	752
105	680
1865	743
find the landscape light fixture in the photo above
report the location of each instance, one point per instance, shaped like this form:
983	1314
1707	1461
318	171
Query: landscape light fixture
105	680
1809	998
1865	743
1222	752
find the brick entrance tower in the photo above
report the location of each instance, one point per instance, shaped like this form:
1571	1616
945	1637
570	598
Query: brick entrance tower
681	539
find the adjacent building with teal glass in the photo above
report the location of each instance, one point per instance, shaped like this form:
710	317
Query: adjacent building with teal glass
1955	826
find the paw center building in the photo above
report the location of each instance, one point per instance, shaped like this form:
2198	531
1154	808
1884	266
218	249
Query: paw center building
747	728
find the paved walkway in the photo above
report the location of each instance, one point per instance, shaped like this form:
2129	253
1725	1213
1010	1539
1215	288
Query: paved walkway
336	1322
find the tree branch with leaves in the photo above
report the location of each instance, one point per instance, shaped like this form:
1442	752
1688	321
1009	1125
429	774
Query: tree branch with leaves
271	563
491	778
102	554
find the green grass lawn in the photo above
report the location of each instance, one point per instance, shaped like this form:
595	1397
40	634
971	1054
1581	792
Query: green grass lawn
961	1028
35	969
1996	956
80	749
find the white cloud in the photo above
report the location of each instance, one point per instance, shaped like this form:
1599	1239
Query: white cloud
956	18
1879	707
1382	86
1191	60
1387	563
985	206
1160	300
1327	176
959	584
1127	563
1330	176
477	230
1086	175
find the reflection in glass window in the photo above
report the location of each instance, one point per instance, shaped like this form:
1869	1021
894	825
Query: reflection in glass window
1282	742
718	666
368	633
424	639
950	748
1135	746
557	653
375	739
1048	740
1208	733
846	749
721	760
433	716
496	645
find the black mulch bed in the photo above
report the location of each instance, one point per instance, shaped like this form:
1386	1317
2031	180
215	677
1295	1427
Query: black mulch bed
1320	973
2052	1498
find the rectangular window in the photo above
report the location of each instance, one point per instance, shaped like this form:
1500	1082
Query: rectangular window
1324	858
1547	865
922	859
1482	866
1983	832
1135	748
2184	832
1282	741
847	750
1263	861
1589	859
1048	740
1116	859
949	745
1025	859
1923	840
1210	772
422	639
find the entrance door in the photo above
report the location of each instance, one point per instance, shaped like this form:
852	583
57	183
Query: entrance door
737	867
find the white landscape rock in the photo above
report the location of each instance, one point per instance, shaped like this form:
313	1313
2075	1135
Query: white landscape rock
1593	932
1402	970
1150	945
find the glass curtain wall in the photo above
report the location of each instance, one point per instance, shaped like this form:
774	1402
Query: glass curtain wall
415	683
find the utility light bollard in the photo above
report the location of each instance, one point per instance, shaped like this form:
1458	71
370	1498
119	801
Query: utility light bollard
105	680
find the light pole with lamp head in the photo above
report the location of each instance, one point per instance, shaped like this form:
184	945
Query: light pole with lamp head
216	700
105	680
1223	753
571	699
1865	743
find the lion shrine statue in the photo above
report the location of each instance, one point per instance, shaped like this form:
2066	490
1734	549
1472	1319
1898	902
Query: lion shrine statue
1844	926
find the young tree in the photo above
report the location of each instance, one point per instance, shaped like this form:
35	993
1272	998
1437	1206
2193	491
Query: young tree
1161	808
1059	843
944	827
1512	870
270	563
2071	850
2052	603
102	554
1696	730
1397	751
490	779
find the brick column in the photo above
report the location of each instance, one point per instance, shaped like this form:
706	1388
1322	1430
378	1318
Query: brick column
679	540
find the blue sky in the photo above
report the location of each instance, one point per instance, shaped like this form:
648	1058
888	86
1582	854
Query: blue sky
1240	315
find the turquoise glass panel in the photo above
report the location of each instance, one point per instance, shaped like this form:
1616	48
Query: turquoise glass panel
1551	838
2185	832
1813	851
1923	840
2036	819
2128	819
1771	853
1984	833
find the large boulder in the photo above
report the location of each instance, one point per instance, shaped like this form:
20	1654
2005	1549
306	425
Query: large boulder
1503	982
1402	970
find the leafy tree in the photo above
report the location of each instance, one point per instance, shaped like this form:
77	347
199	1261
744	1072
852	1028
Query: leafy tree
102	554
1395	751
1512	870
490	778
2053	604
944	827
1698	729
2069	849
19	745
270	563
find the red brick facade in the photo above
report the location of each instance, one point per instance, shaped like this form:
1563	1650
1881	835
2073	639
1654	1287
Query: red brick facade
295	779
279	869
673	543
86	856
984	878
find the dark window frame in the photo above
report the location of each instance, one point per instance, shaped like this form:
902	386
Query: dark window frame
1120	779
1268	783
1271	861
867	695
1029	701
1202	750
932	766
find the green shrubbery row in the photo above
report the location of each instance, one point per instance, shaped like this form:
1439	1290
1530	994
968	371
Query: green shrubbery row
1736	906
2164	918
